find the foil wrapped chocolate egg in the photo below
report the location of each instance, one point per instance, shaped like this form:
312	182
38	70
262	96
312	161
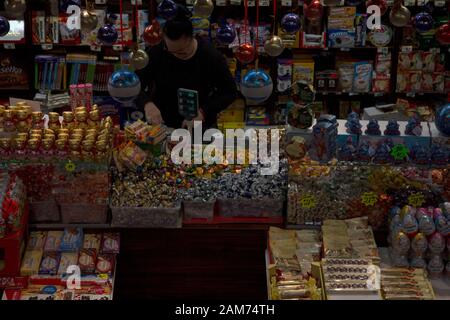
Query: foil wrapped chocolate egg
152	33
274	46
139	59
167	9
291	23
4	26
226	34
107	34
246	53
89	20
423	22
399	16
203	8
256	86
443	119
124	86
443	34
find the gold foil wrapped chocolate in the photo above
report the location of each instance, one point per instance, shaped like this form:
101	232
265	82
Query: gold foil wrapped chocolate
22	135
23	126
21	115
5	143
33	144
80	109
18	143
36	131
53	117
63	136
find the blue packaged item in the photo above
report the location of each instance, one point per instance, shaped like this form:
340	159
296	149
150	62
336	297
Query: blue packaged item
72	240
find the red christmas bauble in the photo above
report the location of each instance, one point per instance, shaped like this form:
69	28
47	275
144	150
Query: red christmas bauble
245	53
380	3
314	10
152	33
443	34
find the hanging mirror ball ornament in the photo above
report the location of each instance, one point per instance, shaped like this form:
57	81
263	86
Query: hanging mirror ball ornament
124	86
226	34
15	8
167	9
443	34
382	4
89	20
314	10
274	46
203	8
443	119
152	33
107	34
138	59
256	86
399	16
423	22
4	26
291	23
245	53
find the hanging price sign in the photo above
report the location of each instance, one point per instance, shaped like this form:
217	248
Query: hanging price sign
308	201
70	166
416	200
369	199
399	152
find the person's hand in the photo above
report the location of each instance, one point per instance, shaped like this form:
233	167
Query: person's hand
153	114
189	123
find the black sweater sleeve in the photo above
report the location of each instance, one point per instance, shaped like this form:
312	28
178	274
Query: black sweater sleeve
224	90
146	76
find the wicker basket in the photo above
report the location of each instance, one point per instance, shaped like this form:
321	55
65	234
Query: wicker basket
84	213
139	217
44	211
250	207
198	209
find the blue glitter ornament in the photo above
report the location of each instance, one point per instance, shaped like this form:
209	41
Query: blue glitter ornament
256	86
291	23
443	119
423	22
107	34
226	34
167	9
4	26
124	86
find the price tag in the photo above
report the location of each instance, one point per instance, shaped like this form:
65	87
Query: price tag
308	201
139	2
409	3
416	200
286	3
439	3
411	94
264	3
236	2
189	2
47	46
221	3
251	3
378	94
9	46
399	152
353	93
407	49
420	2
96	48
435	50
100	1
70	166
117	47
345	49
369	199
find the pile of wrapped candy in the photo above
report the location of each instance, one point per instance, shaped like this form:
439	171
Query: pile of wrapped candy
419	237
318	192
52	252
158	182
405	284
12	200
140	131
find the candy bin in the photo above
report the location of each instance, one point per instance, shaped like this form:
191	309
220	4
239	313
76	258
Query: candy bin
144	190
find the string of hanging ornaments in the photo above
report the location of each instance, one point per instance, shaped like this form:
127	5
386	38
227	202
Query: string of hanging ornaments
245	52
138	57
274	46
88	18
124	85
257	85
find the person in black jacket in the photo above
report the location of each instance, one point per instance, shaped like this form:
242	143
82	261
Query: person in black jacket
181	61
